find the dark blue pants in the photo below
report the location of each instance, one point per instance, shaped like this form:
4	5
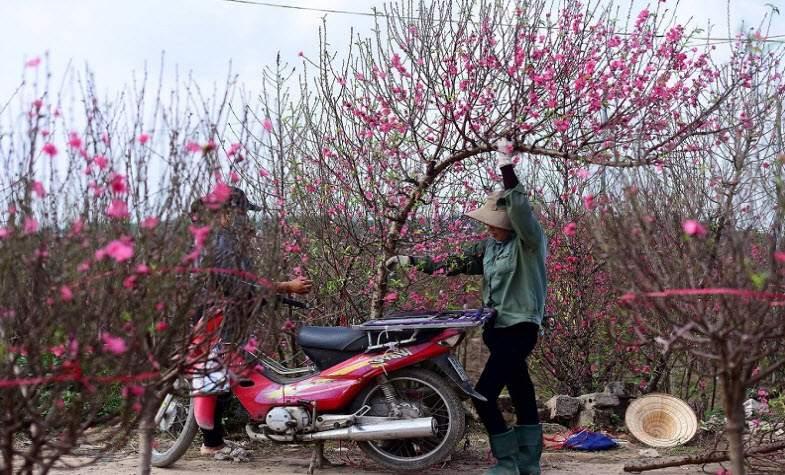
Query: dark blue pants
507	367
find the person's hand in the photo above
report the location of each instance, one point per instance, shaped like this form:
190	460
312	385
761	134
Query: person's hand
503	152
299	285
398	261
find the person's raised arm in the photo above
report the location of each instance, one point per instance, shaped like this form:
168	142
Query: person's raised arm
524	223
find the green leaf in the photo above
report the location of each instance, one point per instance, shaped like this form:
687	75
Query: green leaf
759	280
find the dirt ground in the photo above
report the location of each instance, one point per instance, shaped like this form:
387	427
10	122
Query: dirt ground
471	458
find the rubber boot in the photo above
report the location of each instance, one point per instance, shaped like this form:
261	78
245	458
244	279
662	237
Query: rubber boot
504	447
529	449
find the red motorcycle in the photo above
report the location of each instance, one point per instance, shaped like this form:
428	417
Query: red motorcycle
389	384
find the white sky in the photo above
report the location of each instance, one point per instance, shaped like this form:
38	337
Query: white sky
116	37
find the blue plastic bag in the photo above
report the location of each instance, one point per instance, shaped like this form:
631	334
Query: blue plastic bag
589	441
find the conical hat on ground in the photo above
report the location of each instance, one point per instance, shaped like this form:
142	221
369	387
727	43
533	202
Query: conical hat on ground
661	420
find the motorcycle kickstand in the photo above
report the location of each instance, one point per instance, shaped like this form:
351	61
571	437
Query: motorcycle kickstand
318	460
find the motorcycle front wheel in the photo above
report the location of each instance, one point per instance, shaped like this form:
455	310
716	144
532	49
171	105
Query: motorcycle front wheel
175	429
420	393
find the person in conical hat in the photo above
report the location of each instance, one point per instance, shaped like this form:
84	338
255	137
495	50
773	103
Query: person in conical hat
512	263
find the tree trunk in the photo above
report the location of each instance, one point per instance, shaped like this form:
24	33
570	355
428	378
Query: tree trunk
377	301
7	442
146	426
733	392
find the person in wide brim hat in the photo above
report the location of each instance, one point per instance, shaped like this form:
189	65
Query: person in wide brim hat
226	255
512	263
491	214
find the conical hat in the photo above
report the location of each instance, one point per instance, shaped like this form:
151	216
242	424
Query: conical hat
491	214
661	420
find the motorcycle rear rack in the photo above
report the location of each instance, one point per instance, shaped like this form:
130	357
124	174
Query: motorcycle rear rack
414	322
428	320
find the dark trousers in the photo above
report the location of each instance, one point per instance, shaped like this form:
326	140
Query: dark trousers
506	366
215	437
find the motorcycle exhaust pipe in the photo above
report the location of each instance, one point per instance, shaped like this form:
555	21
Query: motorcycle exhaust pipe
387	430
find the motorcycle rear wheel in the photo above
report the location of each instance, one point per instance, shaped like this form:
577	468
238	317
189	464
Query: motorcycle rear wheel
428	395
175	429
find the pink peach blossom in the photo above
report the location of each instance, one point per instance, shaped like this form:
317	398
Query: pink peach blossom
588	202
130	281
38	189
267	124
114	344
30	225
569	229
561	124
233	149
132	390
120	250
58	351
33	62
117	209
74	141
143	138
49	149
220	194
101	161
251	345
66	294
693	228
77	226
200	234
150	222
118	183
192	147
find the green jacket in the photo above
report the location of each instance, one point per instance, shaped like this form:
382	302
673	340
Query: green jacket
514	279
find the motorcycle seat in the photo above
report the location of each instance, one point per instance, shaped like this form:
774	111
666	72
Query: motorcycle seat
332	338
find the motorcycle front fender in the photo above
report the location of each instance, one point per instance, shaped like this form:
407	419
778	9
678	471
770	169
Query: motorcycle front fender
450	366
